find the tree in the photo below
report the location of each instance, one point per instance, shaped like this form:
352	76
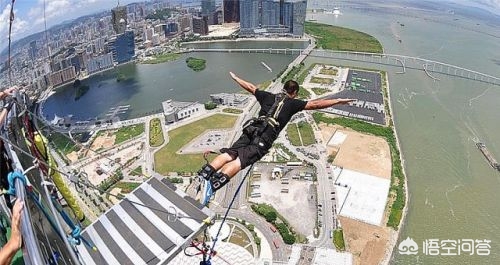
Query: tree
210	105
271	216
288	239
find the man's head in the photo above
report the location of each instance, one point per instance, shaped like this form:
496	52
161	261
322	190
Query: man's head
292	88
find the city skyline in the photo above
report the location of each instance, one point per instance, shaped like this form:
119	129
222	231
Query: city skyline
29	14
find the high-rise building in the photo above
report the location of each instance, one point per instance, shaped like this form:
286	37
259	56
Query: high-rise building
298	17
270	14
282	17
32	50
200	25
249	16
208	10
207	7
119	19
231	11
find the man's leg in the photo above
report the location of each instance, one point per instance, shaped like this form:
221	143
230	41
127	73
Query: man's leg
228	171
209	169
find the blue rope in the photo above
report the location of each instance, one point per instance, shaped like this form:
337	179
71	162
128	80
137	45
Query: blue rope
225	217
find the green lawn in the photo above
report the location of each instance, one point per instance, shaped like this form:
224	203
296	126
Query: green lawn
127	187
293	134
328	71
155	133
62	142
126	133
166	159
306	132
233	111
320	91
343	39
303	93
137	171
321	80
166	57
338	239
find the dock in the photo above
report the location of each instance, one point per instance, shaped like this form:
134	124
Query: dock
489	157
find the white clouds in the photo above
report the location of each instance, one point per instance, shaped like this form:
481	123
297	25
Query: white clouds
53	9
19	25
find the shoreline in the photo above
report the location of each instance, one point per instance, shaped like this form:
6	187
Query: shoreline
247	39
395	234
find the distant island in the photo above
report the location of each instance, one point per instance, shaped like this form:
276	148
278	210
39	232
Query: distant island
196	64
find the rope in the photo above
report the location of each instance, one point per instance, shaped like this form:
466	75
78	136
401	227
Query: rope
11	20
175	215
207	262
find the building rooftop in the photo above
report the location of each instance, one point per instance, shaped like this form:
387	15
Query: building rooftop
140	230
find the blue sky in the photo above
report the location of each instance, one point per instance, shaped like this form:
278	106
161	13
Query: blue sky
29	13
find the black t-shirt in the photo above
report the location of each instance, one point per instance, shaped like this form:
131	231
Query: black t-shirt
290	107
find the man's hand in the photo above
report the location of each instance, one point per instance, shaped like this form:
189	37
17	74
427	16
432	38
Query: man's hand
233	76
9	91
344	101
16	222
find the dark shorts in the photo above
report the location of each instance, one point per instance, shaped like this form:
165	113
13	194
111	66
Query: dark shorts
247	150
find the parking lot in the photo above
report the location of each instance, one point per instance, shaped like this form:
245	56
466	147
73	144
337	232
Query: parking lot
294	199
366	87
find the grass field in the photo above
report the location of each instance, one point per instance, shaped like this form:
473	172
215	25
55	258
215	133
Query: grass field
328	71
166	57
126	133
155	133
306	132
320	80
166	159
126	187
233	111
293	134
319	91
343	39
303	93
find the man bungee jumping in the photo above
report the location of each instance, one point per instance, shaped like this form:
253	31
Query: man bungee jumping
258	133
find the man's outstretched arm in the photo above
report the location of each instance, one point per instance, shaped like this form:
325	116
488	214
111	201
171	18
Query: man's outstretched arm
244	84
325	103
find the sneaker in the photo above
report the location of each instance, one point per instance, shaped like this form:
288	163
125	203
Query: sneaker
205	191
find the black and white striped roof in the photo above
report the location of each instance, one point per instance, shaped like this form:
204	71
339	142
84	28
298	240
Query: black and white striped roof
133	234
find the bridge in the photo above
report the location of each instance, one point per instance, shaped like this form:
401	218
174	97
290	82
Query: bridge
430	67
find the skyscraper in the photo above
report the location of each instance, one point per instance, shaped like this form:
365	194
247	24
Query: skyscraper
207	7
119	19
298	17
249	16
231	11
200	25
282	17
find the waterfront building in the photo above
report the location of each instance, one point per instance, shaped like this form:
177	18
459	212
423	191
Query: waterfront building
185	23
176	110
233	100
231	11
171	29
99	63
62	76
208	9
249	16
200	25
272	17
